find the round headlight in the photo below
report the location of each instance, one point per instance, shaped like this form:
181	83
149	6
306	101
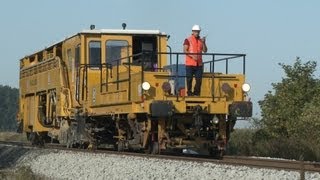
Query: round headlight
146	86
246	87
215	120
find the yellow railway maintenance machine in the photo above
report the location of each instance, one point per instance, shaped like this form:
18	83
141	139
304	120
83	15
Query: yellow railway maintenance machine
122	89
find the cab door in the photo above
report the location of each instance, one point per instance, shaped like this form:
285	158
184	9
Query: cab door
92	70
117	51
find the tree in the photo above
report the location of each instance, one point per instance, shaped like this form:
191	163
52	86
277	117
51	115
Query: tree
8	107
308	126
283	108
290	124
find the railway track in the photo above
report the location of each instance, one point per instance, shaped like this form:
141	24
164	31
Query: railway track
290	165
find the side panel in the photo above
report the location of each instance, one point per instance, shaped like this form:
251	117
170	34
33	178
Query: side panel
29	112
72	61
31	118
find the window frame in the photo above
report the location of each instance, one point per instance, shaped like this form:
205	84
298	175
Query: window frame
77	56
94	66
117	40
76	75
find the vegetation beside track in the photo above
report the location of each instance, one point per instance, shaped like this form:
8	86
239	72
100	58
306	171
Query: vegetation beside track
290	123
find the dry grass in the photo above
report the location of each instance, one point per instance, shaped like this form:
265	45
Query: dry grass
12	136
21	173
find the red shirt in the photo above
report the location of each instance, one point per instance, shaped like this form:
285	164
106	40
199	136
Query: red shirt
186	42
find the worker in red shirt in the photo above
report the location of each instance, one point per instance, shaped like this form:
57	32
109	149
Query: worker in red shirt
194	67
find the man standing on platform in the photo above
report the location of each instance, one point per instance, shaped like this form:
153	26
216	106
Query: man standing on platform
194	44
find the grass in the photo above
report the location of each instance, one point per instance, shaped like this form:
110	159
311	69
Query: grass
13	136
21	173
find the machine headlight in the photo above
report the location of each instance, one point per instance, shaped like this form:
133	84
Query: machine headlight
215	120
246	87
146	86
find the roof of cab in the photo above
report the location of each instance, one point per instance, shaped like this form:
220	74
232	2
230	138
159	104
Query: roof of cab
123	31
104	31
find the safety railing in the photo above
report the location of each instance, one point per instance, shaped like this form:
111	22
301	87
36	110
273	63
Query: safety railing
213	59
150	57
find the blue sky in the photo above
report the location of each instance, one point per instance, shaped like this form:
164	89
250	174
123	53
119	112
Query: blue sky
269	32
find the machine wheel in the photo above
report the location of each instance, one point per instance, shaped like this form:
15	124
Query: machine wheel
152	146
155	148
120	146
215	153
36	139
28	136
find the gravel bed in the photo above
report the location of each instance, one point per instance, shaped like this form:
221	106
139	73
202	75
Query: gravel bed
79	165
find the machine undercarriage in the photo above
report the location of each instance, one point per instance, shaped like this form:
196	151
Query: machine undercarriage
190	133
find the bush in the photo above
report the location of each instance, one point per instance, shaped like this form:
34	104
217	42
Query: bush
21	173
240	142
8	108
250	142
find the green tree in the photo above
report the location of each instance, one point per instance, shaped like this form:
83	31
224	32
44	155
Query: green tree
308	127
290	124
282	109
8	107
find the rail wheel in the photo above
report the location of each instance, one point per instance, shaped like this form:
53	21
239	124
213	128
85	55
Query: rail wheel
216	153
36	139
121	146
28	135
152	148
155	148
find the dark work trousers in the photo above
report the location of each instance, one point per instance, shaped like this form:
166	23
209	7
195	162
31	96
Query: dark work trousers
197	72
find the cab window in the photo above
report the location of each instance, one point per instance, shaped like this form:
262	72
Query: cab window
77	56
94	53
115	50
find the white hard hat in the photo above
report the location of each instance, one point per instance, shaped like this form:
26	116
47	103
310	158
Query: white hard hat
196	28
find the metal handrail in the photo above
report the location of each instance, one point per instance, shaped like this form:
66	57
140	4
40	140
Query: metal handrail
143	60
